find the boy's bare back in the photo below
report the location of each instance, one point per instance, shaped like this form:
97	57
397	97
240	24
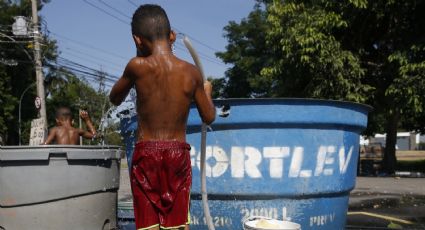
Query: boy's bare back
65	135
165	88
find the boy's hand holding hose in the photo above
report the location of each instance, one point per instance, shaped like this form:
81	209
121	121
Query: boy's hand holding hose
208	88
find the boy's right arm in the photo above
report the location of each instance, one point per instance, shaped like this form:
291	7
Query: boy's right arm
86	134
121	88
92	131
203	99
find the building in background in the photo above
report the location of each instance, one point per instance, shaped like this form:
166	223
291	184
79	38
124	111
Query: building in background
405	141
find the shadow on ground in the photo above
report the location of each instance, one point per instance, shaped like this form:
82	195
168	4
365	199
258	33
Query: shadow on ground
386	211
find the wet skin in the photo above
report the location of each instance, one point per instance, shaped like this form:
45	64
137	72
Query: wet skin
65	134
165	87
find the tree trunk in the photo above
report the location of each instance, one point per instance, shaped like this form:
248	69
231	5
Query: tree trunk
390	160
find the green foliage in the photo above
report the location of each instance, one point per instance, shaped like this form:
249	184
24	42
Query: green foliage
15	79
248	52
355	50
62	87
408	89
390	46
308	59
112	134
392	225
7	100
218	85
76	94
289	50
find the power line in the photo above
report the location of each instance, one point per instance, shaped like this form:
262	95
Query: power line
92	80
195	40
81	58
17	42
18	60
202	55
81	69
78	65
86	55
132	3
106	12
113	8
88	46
88	77
179	31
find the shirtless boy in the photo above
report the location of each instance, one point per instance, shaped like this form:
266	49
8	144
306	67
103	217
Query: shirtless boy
64	133
161	173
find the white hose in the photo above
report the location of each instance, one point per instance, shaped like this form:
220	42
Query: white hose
204	194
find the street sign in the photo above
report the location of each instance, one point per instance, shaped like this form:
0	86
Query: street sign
37	133
37	102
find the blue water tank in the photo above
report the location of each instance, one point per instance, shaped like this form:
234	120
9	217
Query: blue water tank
290	159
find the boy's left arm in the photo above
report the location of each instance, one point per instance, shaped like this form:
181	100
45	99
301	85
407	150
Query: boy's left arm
91	133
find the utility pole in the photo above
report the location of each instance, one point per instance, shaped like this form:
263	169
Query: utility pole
38	65
102	76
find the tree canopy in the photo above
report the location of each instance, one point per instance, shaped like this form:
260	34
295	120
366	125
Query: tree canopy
16	69
64	87
354	50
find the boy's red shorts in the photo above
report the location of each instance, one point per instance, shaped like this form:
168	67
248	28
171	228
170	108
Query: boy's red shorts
161	177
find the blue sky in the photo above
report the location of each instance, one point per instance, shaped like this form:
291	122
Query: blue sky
100	40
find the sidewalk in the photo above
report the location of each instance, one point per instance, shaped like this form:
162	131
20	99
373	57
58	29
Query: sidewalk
371	188
388	185
124	193
387	202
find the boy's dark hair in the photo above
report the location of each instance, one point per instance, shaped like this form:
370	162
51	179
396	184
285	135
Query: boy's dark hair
151	22
63	113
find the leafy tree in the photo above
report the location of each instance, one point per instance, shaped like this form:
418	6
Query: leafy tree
62	87
7	101
66	89
248	52
77	95
112	134
16	78
388	37
288	50
308	59
218	85
356	50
